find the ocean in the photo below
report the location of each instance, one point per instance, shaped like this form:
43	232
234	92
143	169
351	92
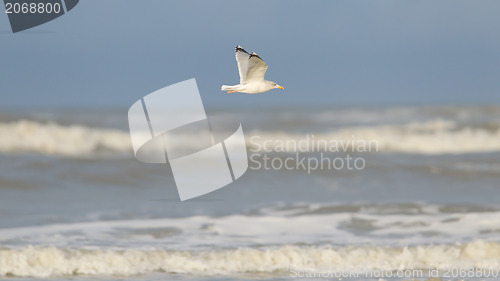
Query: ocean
343	193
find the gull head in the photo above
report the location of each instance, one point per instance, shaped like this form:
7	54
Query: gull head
275	85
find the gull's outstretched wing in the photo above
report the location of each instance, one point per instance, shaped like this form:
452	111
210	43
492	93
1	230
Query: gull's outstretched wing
256	68
242	58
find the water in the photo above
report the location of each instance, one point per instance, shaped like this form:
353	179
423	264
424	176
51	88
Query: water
74	203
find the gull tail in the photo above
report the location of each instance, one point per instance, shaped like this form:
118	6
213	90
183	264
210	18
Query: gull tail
228	88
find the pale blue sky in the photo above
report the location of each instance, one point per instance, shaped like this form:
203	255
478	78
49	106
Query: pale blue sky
111	53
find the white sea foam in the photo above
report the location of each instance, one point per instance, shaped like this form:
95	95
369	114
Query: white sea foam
51	261
54	139
307	225
307	237
432	137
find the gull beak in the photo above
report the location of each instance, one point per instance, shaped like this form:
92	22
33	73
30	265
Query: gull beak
280	87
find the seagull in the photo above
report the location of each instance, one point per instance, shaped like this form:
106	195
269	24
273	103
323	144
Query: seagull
252	70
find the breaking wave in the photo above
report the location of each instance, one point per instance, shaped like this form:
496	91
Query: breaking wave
52	139
432	137
42	262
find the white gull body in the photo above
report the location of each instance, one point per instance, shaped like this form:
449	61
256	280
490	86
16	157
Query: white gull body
252	70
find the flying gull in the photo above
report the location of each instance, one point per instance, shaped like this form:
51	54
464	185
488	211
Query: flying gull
252	70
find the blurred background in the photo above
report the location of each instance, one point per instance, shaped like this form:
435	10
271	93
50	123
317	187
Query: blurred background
325	52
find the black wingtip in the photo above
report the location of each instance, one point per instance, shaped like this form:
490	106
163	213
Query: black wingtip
253	54
240	49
